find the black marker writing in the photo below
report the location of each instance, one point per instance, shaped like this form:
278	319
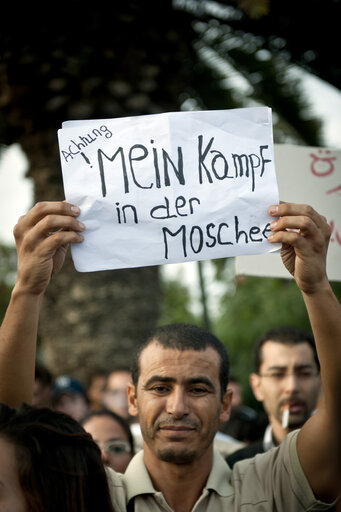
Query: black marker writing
127	167
76	146
86	159
122	210
194	238
214	165
182	208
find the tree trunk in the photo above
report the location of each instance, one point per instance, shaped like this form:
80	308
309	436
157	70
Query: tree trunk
89	320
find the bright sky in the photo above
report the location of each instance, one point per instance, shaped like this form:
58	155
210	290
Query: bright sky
16	191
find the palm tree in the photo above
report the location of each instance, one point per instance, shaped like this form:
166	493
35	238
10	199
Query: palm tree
83	61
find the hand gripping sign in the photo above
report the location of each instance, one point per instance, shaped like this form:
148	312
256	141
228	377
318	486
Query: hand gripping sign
170	188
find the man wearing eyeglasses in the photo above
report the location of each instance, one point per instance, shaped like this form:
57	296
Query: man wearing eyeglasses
287	382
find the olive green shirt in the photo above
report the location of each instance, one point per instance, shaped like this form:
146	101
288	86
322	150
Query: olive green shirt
271	481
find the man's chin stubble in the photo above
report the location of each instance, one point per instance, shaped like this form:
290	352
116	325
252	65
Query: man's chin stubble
176	457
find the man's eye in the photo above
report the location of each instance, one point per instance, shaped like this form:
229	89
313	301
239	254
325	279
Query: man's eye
305	374
160	389
198	391
277	375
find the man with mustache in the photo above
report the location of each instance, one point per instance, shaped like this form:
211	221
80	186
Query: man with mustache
179	390
287	382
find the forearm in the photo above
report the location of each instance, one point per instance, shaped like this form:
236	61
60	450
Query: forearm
305	235
324	312
18	336
318	443
42	238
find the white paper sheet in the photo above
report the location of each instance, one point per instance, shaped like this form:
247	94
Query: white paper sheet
169	188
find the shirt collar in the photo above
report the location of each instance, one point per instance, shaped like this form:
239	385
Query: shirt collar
136	478
220	476
137	481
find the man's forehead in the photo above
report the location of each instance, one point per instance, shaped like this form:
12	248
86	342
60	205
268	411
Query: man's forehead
156	357
275	353
118	378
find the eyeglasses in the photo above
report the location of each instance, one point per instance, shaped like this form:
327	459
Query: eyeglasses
116	447
300	374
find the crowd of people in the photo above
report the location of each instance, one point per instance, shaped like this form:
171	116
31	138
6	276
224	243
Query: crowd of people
101	406
155	436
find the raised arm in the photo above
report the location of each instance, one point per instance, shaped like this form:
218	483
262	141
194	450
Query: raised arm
42	237
304	235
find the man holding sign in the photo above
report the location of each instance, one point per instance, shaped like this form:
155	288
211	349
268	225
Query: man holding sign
180	392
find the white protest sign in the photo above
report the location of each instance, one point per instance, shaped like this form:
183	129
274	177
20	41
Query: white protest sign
308	175
170	188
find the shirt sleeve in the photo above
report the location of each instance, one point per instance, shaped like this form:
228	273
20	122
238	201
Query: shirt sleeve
116	490
277	480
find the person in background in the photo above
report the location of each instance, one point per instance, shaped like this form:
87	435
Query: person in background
68	396
287	382
95	387
112	434
115	396
115	399
245	424
49	463
43	384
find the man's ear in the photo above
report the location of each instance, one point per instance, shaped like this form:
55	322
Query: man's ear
255	383
132	409
226	406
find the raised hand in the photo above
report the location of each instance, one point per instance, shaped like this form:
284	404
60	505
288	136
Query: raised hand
42	237
304	235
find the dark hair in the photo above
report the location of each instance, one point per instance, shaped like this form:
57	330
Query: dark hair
116	417
182	336
122	368
287	335
97	372
43	374
59	464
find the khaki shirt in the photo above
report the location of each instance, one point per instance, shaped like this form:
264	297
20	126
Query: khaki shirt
272	481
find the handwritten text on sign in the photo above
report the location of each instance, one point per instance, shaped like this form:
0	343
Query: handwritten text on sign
168	188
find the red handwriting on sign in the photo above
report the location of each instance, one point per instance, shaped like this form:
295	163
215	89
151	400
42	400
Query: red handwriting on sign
334	189
335	237
322	166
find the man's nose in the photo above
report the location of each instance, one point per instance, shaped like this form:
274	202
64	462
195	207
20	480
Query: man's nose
291	382
177	403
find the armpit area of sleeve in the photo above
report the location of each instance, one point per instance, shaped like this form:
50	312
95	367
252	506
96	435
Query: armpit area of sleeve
116	490
299	483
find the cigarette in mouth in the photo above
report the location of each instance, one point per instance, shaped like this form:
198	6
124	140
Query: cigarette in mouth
285	416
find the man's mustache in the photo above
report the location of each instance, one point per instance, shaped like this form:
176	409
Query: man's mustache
173	422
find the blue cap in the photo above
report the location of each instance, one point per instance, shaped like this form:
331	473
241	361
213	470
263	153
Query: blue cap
68	386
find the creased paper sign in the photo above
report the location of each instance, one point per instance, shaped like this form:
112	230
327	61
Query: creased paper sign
170	188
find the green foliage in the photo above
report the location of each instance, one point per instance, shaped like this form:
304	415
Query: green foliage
175	306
